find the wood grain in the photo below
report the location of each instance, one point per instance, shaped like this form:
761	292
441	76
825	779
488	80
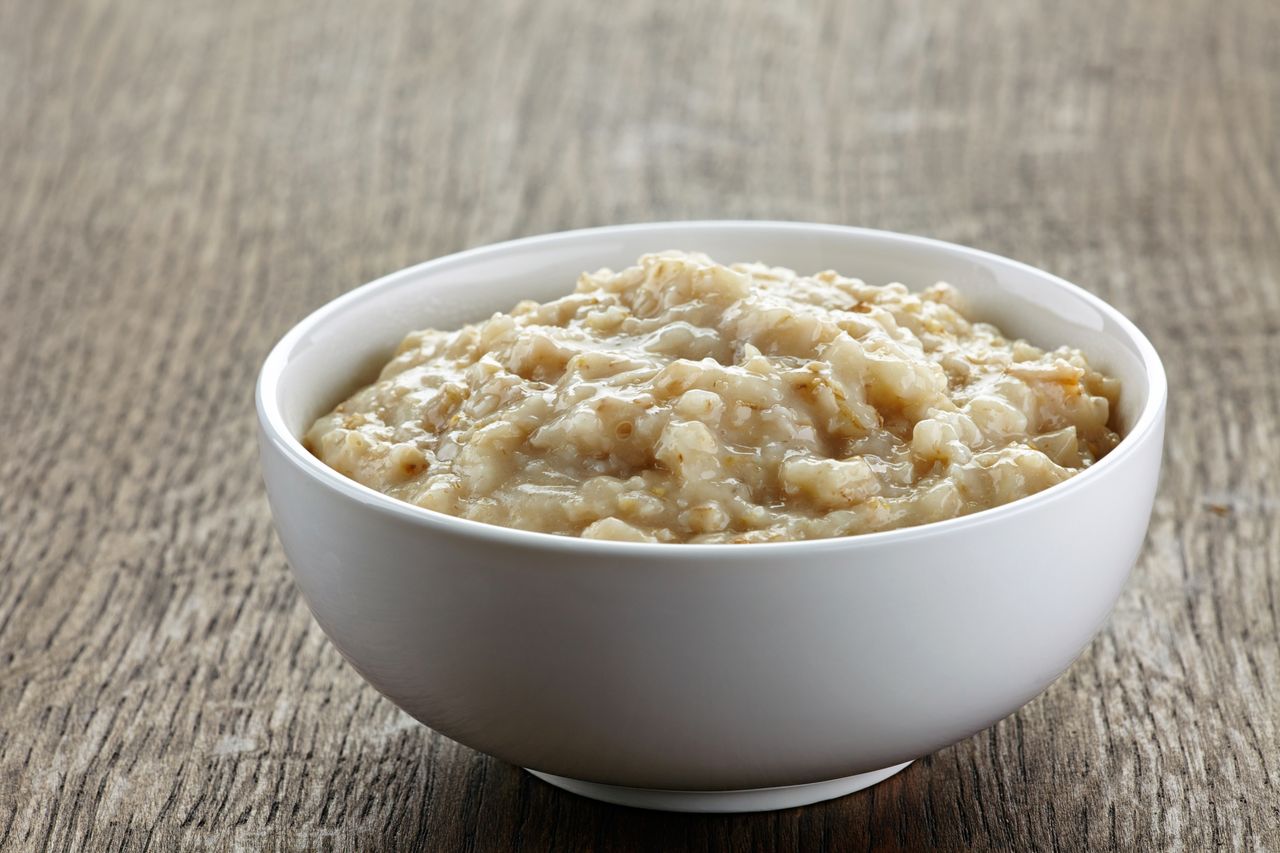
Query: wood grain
181	181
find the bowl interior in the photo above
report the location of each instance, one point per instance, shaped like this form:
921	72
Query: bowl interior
343	344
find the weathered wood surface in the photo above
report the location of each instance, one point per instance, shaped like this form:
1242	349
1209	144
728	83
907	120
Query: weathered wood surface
179	182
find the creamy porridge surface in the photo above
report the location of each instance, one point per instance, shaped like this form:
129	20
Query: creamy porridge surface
680	400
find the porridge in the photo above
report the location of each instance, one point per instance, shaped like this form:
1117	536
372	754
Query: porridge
681	400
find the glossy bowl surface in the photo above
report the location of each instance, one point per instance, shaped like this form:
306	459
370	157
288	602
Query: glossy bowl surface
705	667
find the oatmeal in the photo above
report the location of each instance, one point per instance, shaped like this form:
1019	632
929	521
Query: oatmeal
681	400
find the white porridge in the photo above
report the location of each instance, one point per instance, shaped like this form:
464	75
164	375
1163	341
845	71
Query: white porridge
680	400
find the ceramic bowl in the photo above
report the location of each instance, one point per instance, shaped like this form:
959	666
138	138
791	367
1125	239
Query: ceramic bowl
706	677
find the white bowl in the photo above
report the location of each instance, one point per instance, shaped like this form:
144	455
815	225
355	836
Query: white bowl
706	677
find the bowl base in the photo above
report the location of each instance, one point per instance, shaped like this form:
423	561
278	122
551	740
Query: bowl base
749	800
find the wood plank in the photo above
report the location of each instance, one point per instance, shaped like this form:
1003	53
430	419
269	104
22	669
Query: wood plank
181	182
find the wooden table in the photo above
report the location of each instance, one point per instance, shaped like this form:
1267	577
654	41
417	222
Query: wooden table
180	182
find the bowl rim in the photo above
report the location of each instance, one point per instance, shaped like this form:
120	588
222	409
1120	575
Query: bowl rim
272	427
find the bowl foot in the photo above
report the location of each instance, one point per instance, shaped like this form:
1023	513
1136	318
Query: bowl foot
749	800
